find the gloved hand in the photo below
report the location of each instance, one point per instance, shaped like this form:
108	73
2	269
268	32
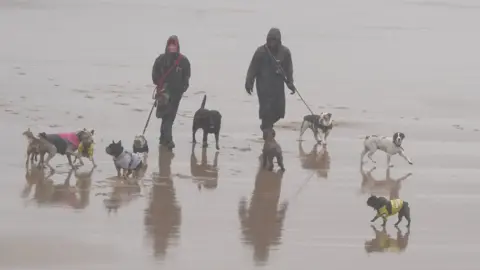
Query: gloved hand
249	88
292	88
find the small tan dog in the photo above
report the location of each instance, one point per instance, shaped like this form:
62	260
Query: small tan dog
33	147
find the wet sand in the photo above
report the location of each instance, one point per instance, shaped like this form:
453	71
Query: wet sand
377	66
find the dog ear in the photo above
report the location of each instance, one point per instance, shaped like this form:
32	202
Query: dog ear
119	142
92	131
113	142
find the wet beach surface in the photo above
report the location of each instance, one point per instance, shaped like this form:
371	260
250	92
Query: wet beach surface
378	67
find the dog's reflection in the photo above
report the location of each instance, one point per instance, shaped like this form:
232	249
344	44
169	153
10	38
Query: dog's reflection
122	194
317	160
163	216
33	176
388	187
50	194
204	174
262	220
383	242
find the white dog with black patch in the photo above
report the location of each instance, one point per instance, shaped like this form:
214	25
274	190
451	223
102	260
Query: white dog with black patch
319	124
140	146
390	145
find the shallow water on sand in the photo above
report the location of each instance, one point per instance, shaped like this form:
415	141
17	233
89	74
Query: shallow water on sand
377	66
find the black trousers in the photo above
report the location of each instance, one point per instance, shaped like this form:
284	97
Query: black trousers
168	118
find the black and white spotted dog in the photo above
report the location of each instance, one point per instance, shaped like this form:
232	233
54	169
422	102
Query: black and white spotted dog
140	146
319	124
390	145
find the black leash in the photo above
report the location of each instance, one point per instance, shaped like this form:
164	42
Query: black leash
285	76
149	116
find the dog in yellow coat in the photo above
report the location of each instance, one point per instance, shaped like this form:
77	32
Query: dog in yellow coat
386	208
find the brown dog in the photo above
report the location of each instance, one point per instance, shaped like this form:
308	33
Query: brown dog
271	150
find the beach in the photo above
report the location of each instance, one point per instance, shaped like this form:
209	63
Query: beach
378	66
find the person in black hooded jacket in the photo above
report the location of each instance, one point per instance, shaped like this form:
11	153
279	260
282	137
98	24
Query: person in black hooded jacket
171	75
270	78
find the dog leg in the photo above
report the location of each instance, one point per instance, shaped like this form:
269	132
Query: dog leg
325	136
47	162
400	217
217	137
370	154
194	131
205	137
28	158
389	163
384	221
93	162
362	156
315	135
69	158
303	128
402	154
406	213
118	171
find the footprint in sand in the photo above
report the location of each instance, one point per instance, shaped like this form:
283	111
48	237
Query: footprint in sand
121	103
80	91
458	127
139	110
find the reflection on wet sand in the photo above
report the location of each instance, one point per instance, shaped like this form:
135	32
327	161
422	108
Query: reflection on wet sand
384	243
388	188
204	174
318	161
47	193
32	177
122	194
262	221
163	216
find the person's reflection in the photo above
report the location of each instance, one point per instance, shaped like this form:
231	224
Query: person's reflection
318	161
76	197
163	216
389	187
384	243
204	174
262	221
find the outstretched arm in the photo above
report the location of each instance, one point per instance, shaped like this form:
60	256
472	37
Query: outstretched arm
288	66
253	70
157	70
186	74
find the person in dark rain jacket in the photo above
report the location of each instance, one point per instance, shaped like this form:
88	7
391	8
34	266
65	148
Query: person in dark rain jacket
171	75
270	78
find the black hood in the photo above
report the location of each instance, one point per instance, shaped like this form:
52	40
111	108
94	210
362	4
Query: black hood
172	39
274	33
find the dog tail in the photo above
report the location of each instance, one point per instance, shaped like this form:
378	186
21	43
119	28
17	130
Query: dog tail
203	102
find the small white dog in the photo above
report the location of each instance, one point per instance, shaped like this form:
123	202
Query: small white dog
319	124
140	146
390	145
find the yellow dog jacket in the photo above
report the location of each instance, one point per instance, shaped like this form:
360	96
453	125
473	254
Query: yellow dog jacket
396	204
89	150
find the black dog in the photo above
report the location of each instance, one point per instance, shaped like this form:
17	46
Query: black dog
208	120
122	159
386	208
271	149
